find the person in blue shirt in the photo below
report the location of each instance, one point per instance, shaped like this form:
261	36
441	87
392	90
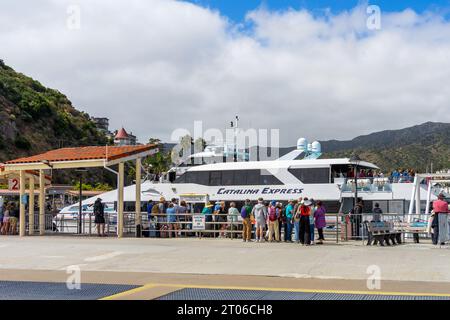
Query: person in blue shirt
171	213
149	209
289	224
395	176
207	211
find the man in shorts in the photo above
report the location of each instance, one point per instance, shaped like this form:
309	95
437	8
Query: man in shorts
260	213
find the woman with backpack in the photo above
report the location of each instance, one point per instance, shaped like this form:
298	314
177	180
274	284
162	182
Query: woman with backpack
272	219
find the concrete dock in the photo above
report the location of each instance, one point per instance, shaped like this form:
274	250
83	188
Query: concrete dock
159	266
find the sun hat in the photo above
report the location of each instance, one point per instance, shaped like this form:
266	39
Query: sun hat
307	203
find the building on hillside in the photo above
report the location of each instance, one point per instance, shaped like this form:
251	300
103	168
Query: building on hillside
123	138
102	124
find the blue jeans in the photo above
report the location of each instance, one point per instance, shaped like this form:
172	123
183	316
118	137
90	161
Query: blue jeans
288	236
311	234
297	230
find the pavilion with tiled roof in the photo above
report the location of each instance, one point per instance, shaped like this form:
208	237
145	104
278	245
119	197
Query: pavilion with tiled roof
76	158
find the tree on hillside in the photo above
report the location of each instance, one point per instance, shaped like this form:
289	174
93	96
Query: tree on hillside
154	141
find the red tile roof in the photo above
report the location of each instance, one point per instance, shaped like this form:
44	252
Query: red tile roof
85	153
122	134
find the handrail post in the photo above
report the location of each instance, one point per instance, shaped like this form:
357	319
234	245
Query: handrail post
337	227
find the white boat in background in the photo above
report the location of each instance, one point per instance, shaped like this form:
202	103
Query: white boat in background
282	179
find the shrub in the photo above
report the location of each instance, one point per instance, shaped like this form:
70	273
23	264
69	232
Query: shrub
22	143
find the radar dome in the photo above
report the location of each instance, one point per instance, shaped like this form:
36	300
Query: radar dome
302	144
316	146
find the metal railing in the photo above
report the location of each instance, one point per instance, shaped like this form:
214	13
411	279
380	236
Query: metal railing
339	227
215	226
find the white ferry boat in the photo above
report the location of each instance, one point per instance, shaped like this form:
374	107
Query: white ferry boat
282	179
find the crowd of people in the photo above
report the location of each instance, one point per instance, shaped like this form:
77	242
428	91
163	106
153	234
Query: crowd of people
396	176
402	175
261	221
9	218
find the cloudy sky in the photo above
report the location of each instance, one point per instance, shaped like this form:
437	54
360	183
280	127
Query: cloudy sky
308	68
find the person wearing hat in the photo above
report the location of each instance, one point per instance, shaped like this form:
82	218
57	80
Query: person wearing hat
220	215
296	219
305	211
272	218
99	214
440	221
207	212
161	211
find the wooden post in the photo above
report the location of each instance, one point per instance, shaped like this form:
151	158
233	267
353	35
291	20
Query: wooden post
31	208
22	217
138	198
41	202
120	201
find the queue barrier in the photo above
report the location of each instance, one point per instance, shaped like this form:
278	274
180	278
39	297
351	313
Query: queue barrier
339	227
216	226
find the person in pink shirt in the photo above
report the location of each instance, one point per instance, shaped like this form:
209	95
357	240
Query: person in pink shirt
440	221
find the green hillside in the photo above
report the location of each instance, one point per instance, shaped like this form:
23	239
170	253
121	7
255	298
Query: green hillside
34	118
415	147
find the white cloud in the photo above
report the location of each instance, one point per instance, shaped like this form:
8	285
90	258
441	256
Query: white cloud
154	66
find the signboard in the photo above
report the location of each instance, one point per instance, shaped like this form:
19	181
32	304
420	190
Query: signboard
14	184
198	222
194	198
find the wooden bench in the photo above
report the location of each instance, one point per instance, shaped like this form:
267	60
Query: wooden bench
382	232
416	228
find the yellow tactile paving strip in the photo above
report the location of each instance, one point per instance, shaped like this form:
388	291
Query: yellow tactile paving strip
154	285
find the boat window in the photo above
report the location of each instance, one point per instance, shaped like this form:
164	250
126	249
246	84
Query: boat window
197	177
215	178
269	179
312	175
240	178
253	177
228	178
181	179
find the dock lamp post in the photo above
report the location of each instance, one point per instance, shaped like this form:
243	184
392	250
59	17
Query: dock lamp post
80	194
356	160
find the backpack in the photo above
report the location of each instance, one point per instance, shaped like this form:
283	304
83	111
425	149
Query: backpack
272	214
245	212
98	209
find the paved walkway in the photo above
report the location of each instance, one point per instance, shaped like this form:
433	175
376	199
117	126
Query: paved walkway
161	266
409	262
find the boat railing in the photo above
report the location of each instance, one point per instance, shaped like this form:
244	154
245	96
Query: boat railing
371	185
